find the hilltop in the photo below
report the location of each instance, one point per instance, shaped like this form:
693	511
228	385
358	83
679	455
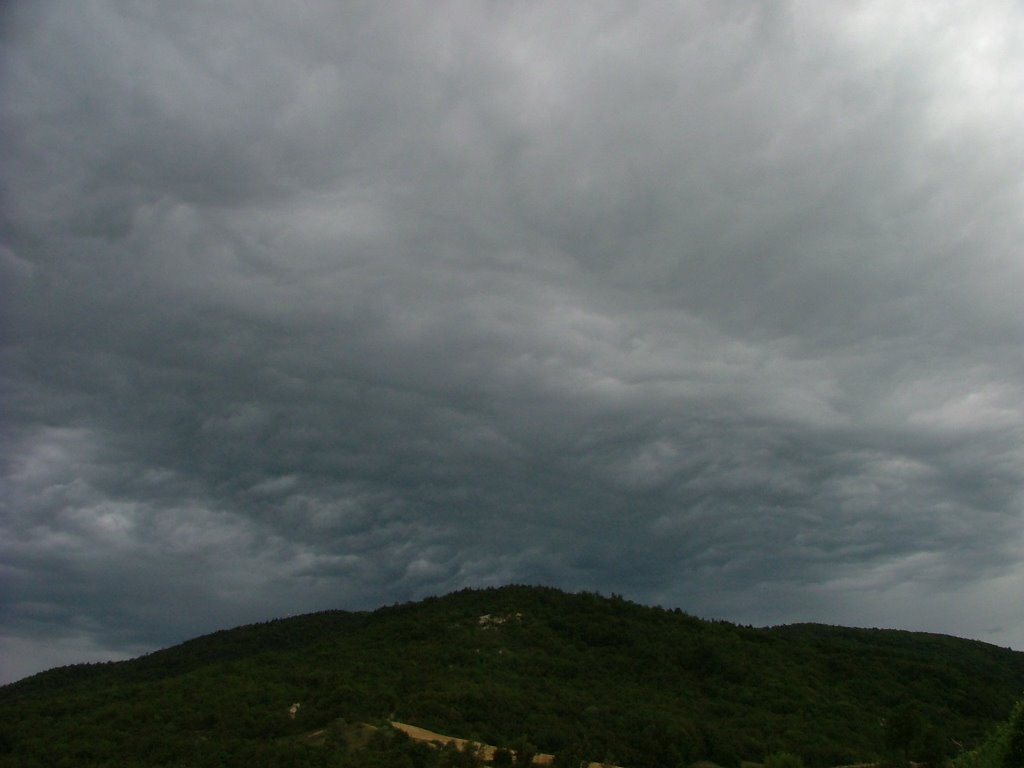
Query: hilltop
599	677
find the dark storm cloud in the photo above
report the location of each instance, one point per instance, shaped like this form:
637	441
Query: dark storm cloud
334	306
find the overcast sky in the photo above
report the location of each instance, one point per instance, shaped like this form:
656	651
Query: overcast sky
314	305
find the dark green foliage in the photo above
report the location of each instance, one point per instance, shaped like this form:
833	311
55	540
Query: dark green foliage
580	676
902	729
1004	748
450	756
523	753
386	748
1013	756
568	757
783	760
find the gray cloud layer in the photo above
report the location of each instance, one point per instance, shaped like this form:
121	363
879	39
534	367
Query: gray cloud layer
332	305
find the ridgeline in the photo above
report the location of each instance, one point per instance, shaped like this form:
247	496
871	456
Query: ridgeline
531	669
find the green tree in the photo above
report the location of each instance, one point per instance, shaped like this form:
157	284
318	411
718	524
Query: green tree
783	760
932	749
570	757
451	756
902	729
524	752
1014	755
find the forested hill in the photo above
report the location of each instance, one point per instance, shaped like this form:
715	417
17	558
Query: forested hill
595	676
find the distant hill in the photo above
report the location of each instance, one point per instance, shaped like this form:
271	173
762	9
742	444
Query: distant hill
596	677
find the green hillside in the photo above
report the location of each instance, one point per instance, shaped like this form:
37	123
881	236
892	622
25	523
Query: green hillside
600	677
1004	748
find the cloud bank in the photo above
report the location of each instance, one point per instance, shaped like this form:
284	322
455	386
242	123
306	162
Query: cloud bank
334	305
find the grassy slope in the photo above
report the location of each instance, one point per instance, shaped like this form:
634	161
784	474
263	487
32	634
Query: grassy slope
642	686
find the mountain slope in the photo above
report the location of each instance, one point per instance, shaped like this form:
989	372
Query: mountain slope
602	676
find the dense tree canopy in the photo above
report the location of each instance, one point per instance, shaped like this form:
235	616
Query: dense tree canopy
580	676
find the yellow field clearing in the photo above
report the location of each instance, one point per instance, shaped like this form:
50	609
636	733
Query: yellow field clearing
487	750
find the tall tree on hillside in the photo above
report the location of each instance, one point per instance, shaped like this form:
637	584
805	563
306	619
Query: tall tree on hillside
570	757
902	729
524	752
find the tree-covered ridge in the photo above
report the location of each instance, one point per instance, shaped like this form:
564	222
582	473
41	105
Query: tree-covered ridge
569	673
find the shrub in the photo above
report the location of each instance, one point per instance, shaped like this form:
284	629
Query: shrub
783	760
